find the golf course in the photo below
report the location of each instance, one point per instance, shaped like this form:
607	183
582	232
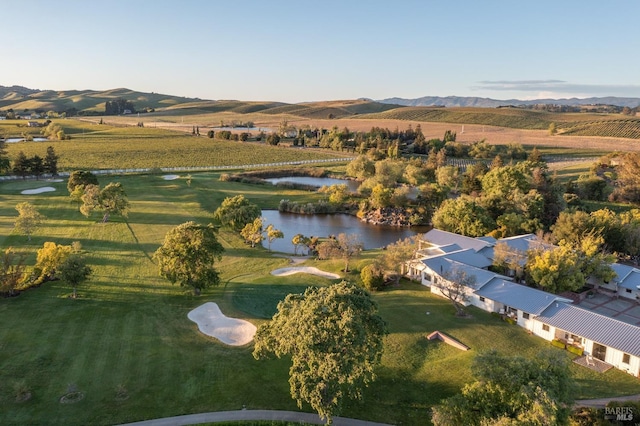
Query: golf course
125	349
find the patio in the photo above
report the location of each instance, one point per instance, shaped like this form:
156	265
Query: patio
619	308
593	363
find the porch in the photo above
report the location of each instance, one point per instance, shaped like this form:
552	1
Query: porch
593	363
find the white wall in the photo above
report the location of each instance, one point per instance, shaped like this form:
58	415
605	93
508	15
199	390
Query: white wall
536	328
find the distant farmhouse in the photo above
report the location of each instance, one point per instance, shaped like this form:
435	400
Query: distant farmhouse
603	327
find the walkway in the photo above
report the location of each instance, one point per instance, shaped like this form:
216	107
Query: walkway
243	415
602	402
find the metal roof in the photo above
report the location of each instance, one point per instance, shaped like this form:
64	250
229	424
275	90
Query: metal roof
441	238
443	265
627	276
519	296
593	326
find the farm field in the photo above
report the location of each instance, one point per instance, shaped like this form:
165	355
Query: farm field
129	328
466	132
100	147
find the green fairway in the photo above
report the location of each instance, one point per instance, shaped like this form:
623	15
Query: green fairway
129	328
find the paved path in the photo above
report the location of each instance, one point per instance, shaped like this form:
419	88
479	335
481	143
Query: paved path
240	415
602	402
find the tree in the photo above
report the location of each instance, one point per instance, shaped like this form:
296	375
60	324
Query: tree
48	260
372	276
81	178
236	212
29	219
188	256
396	256
273	234
553	130
111	200
21	165
36	166
54	131
297	241
511	390
334	337
455	285
463	216
5	163
11	271
556	270
380	196
252	232
343	247
361	167
51	162
273	139
74	271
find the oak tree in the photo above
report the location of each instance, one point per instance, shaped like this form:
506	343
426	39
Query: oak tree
334	337
188	255
236	212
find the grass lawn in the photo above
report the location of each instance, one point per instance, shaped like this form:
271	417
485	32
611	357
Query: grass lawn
129	328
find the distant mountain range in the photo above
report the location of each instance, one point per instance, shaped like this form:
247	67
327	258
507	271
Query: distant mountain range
467	101
92	101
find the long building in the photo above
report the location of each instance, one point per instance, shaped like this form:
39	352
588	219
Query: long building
601	341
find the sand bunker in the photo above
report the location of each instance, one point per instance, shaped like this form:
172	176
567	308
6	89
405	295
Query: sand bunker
170	177
38	190
212	322
305	270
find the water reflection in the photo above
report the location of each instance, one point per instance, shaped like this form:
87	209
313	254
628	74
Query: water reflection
372	236
317	181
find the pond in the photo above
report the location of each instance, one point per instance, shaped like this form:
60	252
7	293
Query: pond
317	181
244	129
372	236
14	140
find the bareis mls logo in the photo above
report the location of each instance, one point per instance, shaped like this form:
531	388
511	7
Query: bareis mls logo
618	413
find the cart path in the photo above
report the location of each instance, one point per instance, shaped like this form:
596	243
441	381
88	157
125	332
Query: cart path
240	415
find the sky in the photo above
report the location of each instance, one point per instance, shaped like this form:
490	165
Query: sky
298	50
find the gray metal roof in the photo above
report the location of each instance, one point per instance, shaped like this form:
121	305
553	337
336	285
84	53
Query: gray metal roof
443	265
593	326
441	238
518	296
627	276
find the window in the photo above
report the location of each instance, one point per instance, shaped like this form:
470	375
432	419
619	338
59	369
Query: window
545	327
626	358
628	290
428	277
525	315
481	299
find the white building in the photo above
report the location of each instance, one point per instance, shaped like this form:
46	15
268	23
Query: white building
600	339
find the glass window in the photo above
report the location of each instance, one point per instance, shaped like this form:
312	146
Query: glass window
545	327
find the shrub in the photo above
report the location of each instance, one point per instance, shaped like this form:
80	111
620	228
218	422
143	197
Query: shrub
575	350
511	320
372	277
558	344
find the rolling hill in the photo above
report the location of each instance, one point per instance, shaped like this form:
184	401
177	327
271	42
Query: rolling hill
467	101
482	111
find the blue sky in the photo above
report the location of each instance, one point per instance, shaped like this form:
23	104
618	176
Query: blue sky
298	50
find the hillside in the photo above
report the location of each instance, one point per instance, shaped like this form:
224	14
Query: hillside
470	101
91	102
577	124
21	98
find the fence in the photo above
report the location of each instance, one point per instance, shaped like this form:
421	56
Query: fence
188	169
